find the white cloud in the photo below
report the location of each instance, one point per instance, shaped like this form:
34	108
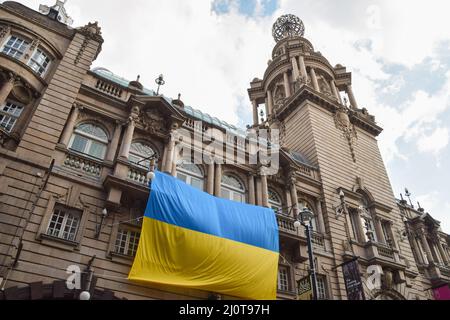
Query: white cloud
435	142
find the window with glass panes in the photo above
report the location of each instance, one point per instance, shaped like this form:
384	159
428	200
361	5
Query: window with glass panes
90	140
9	114
191	174
385	227
140	152
39	62
321	288
232	189
64	223
275	201
15	47
283	278
127	242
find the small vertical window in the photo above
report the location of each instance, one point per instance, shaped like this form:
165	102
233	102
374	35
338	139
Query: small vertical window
9	113
386	233
283	278
39	62
369	229
321	288
127	242
15	47
64	224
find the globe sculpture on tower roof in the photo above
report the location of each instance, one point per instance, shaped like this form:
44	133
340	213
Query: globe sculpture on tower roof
286	26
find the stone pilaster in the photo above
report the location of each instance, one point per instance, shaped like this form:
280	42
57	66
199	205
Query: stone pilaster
6	88
112	150
210	183
251	189
287	85
70	125
295	70
218	180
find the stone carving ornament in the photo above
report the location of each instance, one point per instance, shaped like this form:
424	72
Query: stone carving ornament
152	121
343	123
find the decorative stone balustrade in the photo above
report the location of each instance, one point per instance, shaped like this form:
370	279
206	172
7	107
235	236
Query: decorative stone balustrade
83	165
109	88
138	176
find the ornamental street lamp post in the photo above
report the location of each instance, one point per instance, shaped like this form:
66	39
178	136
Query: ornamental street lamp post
305	218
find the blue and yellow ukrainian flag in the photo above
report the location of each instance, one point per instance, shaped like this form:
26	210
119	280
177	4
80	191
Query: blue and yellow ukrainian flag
194	240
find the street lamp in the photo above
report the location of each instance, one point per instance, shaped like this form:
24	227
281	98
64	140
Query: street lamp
304	219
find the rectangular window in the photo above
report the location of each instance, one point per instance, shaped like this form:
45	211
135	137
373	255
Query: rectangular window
369	229
355	226
15	47
64	224
321	288
283	278
386	232
9	113
39	62
127	242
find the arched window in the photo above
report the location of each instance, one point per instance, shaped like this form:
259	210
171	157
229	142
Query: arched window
275	201
304	204
232	189
191	174
89	139
140	152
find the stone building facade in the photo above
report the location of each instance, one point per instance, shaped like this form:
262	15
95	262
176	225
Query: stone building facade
74	148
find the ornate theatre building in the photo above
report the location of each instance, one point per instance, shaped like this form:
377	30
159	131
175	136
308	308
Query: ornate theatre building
75	144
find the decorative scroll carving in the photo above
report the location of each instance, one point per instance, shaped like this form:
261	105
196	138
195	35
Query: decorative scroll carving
343	123
4	31
91	31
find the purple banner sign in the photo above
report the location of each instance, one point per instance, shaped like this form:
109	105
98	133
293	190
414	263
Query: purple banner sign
442	293
353	283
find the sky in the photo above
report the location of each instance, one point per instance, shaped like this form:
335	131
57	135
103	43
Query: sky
210	50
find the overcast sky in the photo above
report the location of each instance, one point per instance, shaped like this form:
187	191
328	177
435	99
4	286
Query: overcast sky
209	51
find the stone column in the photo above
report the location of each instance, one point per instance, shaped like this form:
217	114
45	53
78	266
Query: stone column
218	180
114	143
255	113
351	97
335	91
259	201
264	191
295	70
288	200
294	198
269	103
163	161
251	189
320	216
210	185
170	153
7	86
70	125
176	152
287	85
314	80
303	71
426	247
127	139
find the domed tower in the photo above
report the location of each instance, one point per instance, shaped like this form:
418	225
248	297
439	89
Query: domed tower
312	105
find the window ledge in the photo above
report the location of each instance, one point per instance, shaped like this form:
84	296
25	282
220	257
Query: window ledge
121	258
58	242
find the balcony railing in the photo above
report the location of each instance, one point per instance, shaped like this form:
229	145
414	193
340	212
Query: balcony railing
109	88
386	252
318	240
138	176
286	224
445	271
83	165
